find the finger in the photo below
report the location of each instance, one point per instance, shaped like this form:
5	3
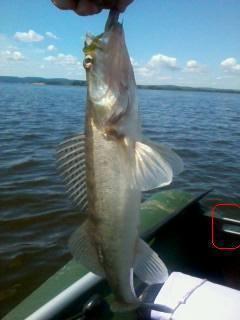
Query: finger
87	7
106	4
65	4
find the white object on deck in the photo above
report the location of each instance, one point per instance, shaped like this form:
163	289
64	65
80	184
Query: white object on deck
66	297
197	299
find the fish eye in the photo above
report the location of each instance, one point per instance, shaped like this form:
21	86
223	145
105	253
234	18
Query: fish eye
88	61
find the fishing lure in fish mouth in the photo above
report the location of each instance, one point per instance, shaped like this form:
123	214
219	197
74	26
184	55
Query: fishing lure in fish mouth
106	169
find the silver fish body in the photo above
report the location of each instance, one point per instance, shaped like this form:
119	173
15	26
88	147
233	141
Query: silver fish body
118	165
114	201
113	212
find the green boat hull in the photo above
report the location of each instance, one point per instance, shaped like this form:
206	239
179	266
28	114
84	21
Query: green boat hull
162	219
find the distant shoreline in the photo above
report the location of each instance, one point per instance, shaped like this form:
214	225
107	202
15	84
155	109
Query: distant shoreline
67	82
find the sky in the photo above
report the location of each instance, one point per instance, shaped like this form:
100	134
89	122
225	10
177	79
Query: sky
179	42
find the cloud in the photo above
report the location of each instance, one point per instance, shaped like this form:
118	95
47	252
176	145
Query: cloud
51	47
30	36
156	70
51	35
230	65
192	66
143	72
160	60
12	55
64	59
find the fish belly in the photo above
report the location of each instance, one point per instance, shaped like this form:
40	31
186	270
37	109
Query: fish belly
113	211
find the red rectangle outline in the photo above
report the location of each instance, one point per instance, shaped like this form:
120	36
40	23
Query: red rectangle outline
212	229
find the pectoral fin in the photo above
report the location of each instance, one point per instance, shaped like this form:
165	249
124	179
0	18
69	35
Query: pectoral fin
83	251
71	165
155	165
148	266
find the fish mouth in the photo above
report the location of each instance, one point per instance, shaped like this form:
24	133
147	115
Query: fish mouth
100	53
112	19
93	42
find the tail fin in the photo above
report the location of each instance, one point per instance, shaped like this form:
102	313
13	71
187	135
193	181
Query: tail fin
149	268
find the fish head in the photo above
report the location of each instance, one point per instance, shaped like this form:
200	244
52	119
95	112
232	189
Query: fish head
109	73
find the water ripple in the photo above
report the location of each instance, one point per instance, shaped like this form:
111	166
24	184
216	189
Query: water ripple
37	217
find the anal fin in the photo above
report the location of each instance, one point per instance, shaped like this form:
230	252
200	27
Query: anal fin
83	251
148	267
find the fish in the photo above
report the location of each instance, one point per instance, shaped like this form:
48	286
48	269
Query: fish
107	168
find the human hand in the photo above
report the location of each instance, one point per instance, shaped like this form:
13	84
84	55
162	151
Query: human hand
89	7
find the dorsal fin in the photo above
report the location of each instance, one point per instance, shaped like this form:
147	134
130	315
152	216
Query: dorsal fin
71	164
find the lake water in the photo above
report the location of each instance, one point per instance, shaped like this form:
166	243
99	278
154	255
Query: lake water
36	217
